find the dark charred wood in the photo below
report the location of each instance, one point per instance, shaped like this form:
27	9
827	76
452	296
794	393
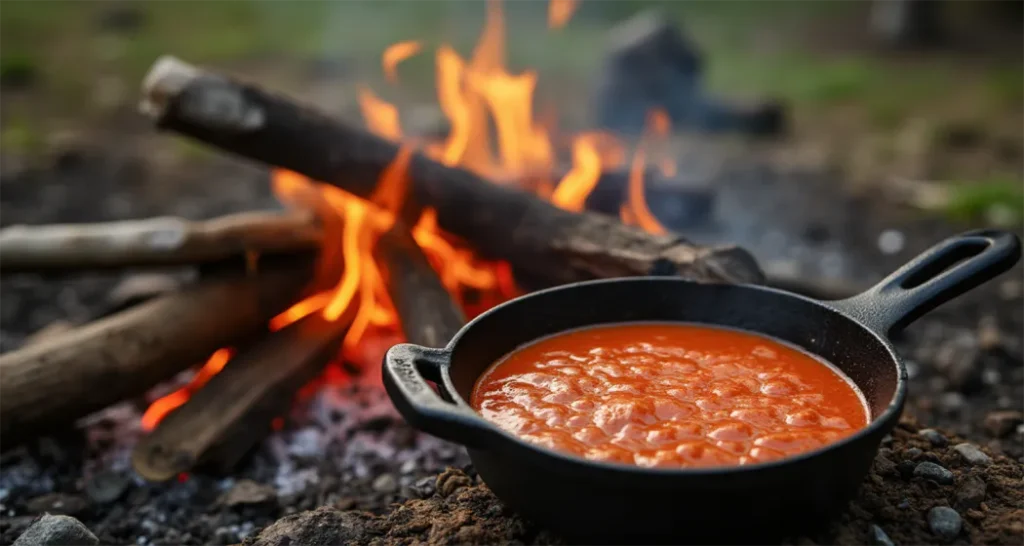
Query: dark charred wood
58	380
426	310
234	410
497	221
154	241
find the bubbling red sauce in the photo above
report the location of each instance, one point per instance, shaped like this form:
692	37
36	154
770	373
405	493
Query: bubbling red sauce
669	395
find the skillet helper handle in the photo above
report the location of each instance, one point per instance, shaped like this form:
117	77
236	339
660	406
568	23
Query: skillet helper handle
938	275
405	366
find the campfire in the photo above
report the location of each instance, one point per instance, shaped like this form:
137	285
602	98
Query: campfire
385	237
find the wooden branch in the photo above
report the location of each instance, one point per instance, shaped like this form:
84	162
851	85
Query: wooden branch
154	242
497	221
425	308
234	410
59	380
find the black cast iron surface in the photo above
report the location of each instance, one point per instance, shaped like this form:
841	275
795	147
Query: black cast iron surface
605	502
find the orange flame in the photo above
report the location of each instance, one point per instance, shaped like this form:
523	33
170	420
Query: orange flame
560	11
395	54
495	133
160	408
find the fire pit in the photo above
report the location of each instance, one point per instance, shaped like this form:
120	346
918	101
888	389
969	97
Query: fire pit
384	239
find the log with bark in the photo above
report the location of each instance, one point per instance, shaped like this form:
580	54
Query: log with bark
428	314
498	221
234	410
58	380
154	242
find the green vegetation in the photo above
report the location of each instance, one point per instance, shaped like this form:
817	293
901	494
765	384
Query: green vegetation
999	199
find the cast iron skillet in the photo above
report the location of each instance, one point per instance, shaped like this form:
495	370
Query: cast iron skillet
604	502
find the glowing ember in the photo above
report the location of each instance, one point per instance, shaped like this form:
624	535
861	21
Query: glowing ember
493	132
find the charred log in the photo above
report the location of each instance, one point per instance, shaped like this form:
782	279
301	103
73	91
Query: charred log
497	221
425	308
57	380
234	410
153	242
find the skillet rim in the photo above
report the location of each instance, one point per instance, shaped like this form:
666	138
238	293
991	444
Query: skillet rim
886	418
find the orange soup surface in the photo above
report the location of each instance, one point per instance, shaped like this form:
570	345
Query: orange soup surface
669	395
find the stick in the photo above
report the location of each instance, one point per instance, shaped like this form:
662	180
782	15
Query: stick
56	381
498	221
233	411
425	308
153	242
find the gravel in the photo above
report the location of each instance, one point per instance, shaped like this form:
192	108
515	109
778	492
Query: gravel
879	538
972	454
970	494
933	472
945	522
934	437
52	530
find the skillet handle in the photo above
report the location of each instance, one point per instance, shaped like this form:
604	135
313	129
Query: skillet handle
938	275
404	368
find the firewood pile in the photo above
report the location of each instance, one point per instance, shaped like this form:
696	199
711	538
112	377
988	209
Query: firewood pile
253	268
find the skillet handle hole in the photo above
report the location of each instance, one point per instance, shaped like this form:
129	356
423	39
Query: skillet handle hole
944	262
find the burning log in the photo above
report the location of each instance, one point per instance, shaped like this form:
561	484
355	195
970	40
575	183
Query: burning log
498	221
156	241
58	380
426	310
234	410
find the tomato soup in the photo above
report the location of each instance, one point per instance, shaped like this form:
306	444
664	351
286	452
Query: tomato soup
669	395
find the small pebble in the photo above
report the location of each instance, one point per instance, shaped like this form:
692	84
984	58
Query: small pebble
1002	423
424	487
247	493
933	472
972	454
107	486
887	440
914	452
945	522
51	530
879	538
906	468
970	494
891	241
934	437
989	337
385	483
904	504
57	503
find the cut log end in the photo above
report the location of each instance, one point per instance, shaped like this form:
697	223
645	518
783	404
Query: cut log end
168	77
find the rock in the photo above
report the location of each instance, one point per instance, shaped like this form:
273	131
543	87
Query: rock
906	468
945	522
424	487
651	64
933	472
914	452
58	503
52	530
248	492
323	526
879	538
970	494
972	454
934	437
385	483
907	23
989	337
1002	423
958	360
107	486
891	241
951	402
